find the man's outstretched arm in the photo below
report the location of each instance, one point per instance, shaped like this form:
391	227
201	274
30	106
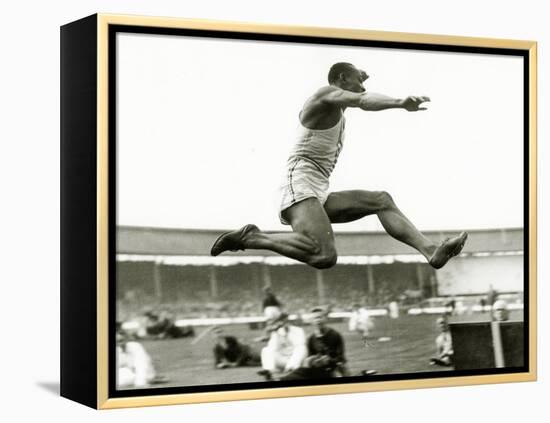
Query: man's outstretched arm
370	101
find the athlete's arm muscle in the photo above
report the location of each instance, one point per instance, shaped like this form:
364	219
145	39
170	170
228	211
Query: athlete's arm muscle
369	101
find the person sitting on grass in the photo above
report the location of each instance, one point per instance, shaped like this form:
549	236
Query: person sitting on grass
326	351
285	350
135	367
230	352
444	345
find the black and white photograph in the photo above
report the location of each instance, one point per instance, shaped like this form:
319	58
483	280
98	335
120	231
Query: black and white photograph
295	212
275	212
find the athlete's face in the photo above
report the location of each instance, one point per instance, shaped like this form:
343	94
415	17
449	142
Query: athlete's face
353	80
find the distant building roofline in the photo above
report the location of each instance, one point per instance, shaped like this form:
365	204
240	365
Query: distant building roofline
135	240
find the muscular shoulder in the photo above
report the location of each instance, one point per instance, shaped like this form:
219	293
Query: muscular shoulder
324	92
318	112
335	97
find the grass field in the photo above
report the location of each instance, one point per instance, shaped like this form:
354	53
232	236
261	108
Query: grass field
411	343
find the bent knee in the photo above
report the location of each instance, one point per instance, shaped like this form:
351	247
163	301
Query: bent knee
385	200
324	261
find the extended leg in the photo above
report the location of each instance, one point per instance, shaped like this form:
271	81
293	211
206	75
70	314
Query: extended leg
347	206
312	241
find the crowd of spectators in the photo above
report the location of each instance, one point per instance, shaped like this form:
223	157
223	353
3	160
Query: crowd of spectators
297	299
248	305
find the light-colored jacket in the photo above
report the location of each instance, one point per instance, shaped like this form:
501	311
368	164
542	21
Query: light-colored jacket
288	345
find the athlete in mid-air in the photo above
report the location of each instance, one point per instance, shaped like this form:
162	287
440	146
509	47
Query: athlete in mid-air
306	203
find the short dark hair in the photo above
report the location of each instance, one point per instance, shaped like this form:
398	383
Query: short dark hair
337	69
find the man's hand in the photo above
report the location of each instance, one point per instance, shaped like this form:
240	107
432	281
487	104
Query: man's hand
320	361
412	103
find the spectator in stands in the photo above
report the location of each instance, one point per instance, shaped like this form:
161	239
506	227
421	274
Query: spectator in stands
482	304
326	352
271	306
230	352
450	306
500	311
491	295
286	348
444	344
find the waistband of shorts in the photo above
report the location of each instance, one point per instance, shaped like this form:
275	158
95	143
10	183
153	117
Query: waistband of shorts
323	171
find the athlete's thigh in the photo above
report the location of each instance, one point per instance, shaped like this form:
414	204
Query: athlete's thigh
347	206
309	217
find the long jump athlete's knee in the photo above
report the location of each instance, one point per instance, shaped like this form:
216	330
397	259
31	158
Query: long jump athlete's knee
385	200
323	261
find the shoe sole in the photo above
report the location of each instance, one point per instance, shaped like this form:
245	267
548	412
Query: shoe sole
216	244
453	253
460	246
242	232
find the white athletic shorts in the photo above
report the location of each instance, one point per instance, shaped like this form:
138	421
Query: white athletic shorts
303	180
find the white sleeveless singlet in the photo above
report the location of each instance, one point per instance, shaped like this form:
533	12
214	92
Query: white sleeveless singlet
310	164
319	146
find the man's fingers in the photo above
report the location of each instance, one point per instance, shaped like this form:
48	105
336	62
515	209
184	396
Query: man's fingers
414	102
418	99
